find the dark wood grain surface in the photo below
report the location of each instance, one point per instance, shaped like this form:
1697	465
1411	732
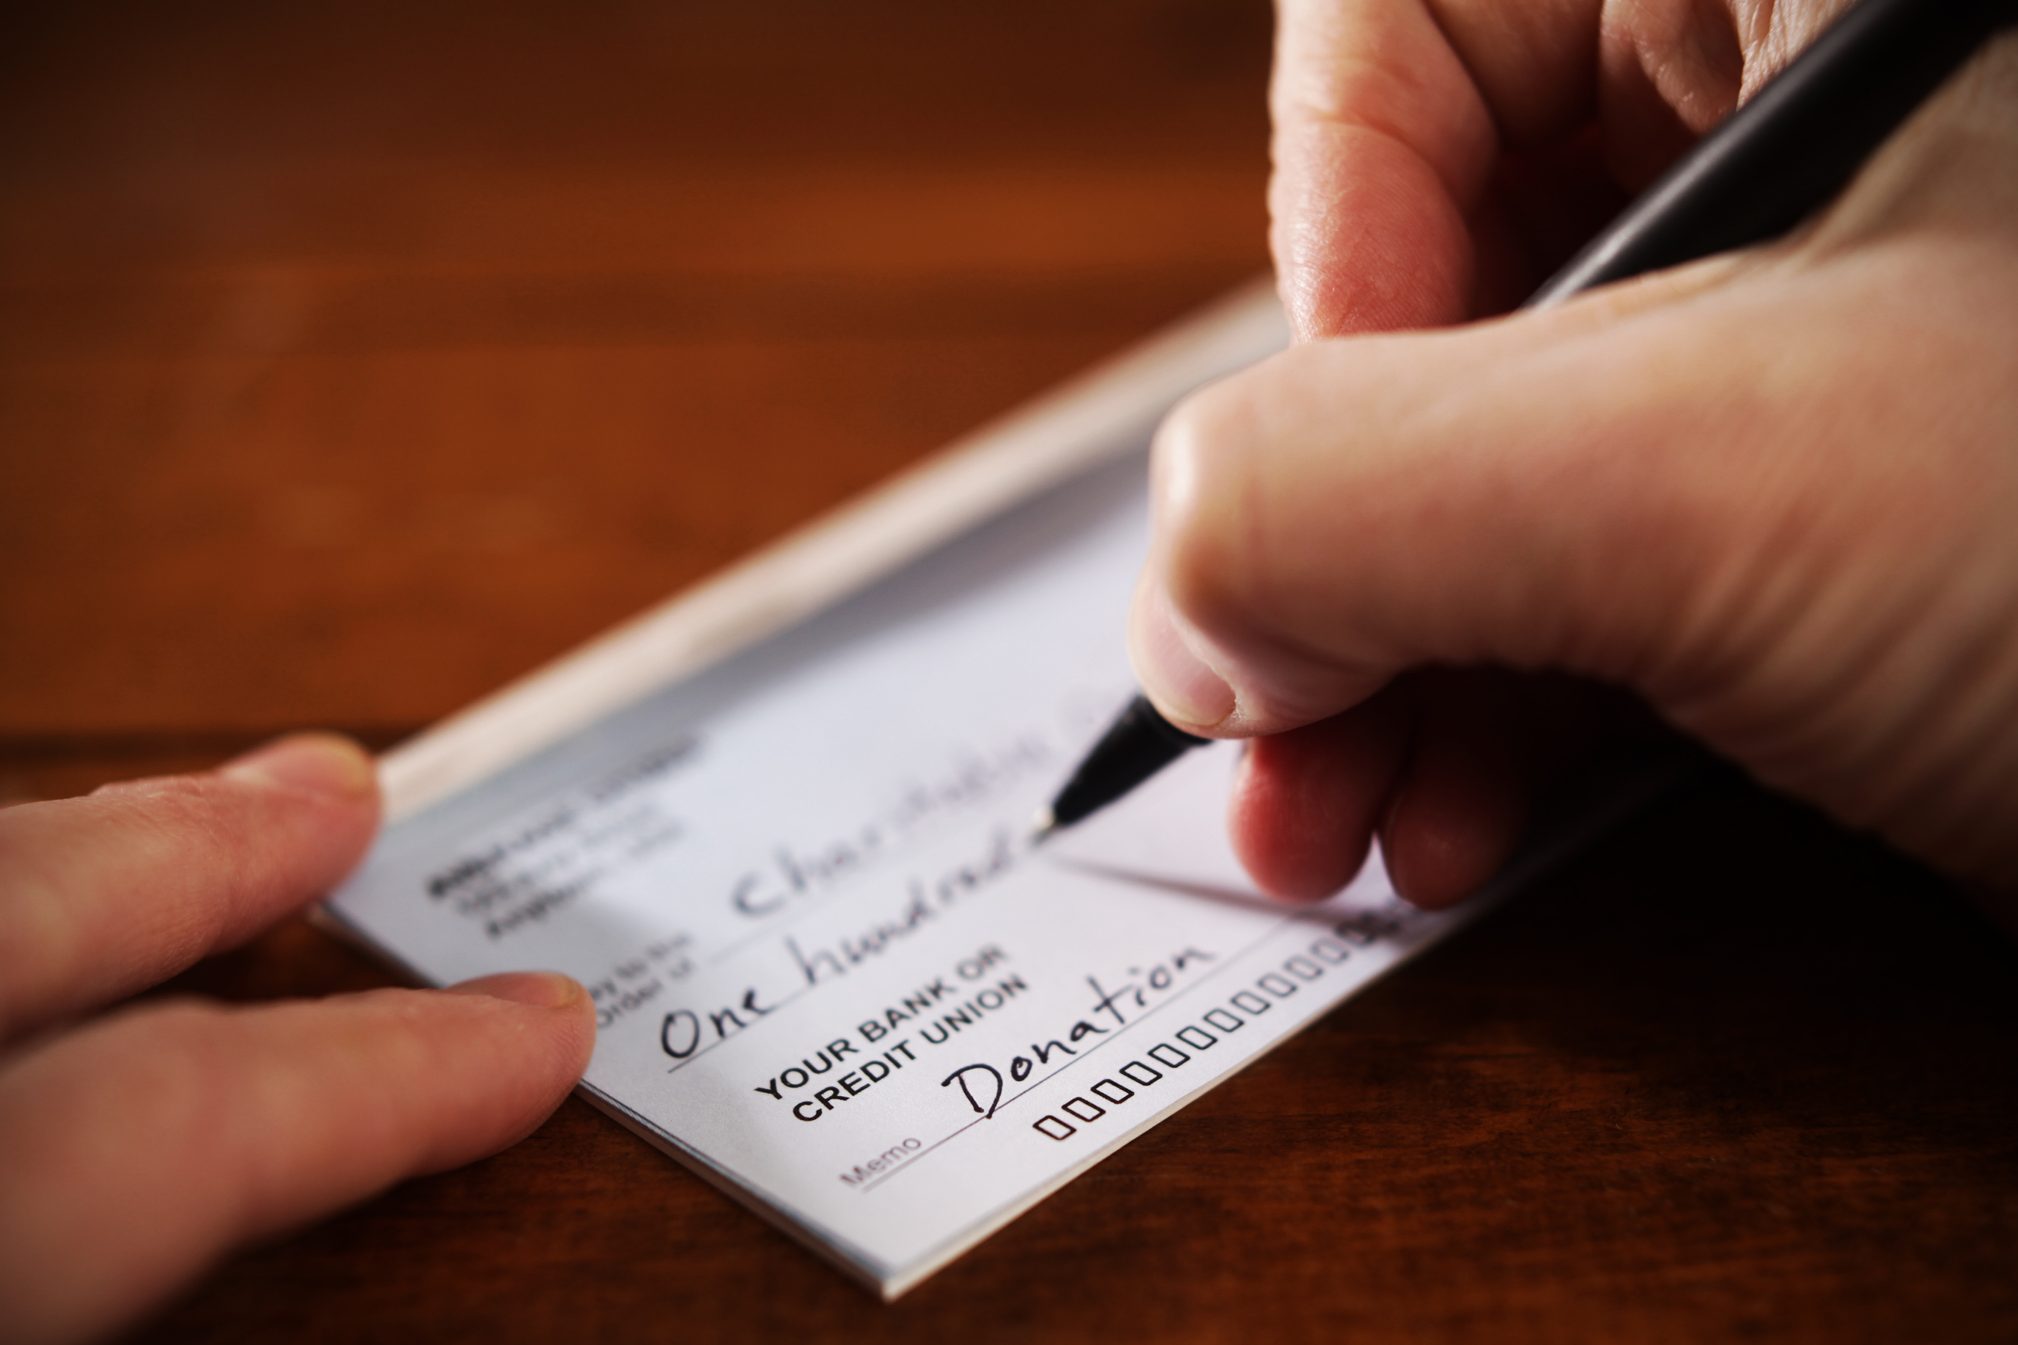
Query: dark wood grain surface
356	358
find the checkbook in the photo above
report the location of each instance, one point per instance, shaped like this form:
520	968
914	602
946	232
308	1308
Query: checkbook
779	827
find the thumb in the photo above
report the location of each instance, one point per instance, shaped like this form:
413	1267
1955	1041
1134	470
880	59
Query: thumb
1525	493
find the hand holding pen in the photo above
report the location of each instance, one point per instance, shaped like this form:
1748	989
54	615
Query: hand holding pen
1771	492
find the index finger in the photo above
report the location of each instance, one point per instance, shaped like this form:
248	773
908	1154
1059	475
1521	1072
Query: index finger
1389	115
107	894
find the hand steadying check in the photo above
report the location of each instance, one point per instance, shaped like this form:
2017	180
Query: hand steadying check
140	1145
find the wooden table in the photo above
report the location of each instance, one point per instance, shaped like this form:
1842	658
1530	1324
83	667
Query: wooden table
354	359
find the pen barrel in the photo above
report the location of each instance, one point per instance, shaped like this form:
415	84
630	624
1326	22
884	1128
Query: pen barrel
1794	144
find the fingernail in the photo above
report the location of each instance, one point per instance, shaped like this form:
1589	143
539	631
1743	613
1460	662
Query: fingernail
1180	683
319	763
539	989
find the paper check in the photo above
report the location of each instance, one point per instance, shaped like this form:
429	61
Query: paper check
830	974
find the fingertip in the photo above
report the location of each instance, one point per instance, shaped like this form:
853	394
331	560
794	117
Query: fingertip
1436	869
1182	685
1305	802
324	764
1448	831
565	1014
321	774
568	1011
537	989
1269	821
312	798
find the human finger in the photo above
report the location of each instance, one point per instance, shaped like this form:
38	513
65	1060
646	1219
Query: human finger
1446	767
1486	747
142	1147
1388	119
1403	130
1306	803
104	895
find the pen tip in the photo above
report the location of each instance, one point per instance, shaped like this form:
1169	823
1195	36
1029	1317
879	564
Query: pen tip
1041	827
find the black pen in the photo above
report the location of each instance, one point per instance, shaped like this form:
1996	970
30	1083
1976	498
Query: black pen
1772	162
